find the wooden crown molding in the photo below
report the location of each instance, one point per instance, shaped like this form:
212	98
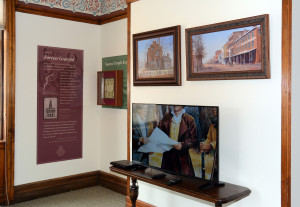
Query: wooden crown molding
69	15
118	15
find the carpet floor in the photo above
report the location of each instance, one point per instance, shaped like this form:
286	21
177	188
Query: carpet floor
89	197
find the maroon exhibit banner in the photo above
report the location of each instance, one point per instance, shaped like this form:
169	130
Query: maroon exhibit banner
59	104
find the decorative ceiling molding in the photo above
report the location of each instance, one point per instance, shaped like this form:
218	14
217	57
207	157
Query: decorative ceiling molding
91	7
50	10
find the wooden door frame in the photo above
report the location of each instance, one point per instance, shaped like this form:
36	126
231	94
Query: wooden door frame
9	98
286	79
128	84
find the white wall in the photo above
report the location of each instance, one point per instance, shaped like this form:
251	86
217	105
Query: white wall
32	30
113	122
295	105
250	110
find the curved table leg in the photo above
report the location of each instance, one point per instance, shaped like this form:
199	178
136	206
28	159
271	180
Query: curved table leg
133	191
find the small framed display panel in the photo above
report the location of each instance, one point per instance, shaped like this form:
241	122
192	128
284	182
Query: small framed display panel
110	88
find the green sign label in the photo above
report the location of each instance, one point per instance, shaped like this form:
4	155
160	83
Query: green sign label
117	63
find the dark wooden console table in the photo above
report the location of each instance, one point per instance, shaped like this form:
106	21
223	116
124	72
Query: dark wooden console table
217	195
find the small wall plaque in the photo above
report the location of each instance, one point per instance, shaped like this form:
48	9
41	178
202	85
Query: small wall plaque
110	88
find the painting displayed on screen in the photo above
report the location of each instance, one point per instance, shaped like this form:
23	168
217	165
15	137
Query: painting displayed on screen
179	139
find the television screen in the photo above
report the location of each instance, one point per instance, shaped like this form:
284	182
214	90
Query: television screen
179	139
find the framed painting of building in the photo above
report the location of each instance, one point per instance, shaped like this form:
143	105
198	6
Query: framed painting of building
237	49
156	57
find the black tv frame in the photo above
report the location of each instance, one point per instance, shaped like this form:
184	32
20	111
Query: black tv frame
214	181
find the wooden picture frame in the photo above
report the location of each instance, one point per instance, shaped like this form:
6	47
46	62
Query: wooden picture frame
110	88
237	49
157	57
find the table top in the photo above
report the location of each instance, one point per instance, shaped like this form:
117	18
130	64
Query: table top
189	186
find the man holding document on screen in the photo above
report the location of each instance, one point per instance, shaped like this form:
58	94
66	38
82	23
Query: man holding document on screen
174	136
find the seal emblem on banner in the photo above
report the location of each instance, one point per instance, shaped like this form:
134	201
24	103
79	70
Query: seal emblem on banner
60	151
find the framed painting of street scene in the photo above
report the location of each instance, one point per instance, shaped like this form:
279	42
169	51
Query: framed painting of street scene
237	49
156	58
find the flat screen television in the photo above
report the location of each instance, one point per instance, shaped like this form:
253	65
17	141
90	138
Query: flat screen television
177	139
